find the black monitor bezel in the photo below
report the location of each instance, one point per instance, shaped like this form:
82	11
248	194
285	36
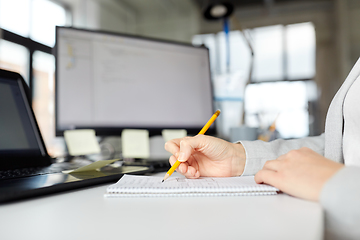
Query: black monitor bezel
116	131
23	159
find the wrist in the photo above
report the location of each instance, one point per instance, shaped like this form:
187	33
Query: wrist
239	159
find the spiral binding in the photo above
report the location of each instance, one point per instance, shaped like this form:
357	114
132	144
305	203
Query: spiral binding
185	192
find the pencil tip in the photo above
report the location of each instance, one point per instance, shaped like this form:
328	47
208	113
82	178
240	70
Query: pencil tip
162	180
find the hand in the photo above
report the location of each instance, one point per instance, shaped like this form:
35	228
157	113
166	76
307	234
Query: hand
301	173
205	156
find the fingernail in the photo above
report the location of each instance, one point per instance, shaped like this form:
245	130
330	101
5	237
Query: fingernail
181	156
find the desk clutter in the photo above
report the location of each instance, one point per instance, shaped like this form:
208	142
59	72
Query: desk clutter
134	143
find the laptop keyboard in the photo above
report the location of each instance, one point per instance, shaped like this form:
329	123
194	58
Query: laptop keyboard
33	171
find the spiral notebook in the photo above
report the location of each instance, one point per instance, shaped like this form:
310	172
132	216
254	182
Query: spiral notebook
150	186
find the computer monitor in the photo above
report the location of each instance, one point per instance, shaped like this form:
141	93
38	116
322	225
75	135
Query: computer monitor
110	82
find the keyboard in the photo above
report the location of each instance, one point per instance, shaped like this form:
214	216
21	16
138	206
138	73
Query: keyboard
33	171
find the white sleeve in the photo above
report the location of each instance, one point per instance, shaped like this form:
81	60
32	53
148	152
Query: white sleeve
258	152
340	198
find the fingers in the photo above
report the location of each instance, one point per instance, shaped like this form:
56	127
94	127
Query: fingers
191	172
185	150
182	168
172	160
273	165
185	169
181	147
269	174
182	150
268	177
186	146
173	146
188	171
189	145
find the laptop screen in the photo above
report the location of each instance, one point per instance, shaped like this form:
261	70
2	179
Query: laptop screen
18	135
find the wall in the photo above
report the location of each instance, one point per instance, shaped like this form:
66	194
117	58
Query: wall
165	19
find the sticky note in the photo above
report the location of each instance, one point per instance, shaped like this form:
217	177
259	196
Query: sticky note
135	143
92	167
169	134
81	142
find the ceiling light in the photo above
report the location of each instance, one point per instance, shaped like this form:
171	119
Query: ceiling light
218	10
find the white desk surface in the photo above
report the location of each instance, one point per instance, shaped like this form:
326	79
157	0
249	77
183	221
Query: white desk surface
86	214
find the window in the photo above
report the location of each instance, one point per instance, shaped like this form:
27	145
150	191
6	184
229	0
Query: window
14	57
45	16
265	102
29	36
18	23
44	100
300	46
268	47
35	19
284	66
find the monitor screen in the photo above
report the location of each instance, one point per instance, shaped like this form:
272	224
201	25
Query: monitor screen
21	143
18	130
110	82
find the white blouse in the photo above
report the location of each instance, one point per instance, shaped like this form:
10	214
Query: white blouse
351	135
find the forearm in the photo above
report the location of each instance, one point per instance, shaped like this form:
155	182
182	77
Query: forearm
258	152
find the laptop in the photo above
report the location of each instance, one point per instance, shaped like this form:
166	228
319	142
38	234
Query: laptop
26	169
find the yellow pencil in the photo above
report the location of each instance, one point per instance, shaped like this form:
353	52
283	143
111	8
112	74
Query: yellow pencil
202	131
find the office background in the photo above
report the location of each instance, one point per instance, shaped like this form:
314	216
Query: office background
303	51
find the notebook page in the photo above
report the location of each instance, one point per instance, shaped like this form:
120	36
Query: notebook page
156	182
149	185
